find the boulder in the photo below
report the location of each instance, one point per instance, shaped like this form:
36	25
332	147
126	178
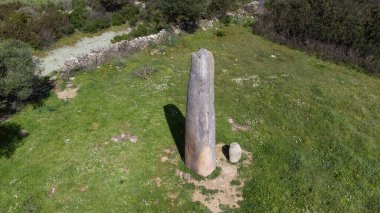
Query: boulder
234	152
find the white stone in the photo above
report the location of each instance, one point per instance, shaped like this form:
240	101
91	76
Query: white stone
234	152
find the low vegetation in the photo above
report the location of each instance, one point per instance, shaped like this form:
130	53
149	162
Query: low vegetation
40	24
346	31
314	133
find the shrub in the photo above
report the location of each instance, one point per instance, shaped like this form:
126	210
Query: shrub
21	26
171	41
141	30
183	10
220	33
226	20
18	72
113	5
145	72
351	27
96	25
219	8
78	16
117	19
128	13
54	24
7	9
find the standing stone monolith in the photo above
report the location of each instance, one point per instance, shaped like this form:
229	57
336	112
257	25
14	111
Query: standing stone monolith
200	115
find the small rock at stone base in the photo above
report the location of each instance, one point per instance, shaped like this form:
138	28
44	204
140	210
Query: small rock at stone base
186	176
234	152
23	133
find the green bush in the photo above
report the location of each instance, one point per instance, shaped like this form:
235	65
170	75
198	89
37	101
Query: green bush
39	29
141	30
219	8
220	33
128	13
117	19
346	30
183	10
78	16
96	25
21	26
7	9
18	72
53	25
113	5
226	20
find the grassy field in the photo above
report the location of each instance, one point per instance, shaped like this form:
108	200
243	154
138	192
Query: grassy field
315	133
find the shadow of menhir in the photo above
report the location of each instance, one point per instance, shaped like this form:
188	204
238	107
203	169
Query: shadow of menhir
11	137
176	122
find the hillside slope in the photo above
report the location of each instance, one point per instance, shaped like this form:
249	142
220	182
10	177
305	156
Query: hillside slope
314	133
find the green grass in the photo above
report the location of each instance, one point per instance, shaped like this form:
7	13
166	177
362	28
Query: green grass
315	133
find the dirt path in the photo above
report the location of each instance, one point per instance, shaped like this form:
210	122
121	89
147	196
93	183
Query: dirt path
56	58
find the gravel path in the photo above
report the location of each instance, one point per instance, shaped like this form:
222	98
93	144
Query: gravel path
56	58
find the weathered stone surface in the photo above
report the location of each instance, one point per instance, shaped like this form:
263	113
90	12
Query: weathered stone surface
234	152
200	115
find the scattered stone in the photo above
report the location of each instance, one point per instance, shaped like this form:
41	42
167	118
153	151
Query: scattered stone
67	141
23	133
52	191
69	85
206	24
186	176
273	56
234	152
125	137
83	189
68	93
164	159
126	170
176	30
237	127
53	78
200	115
158	181
155	52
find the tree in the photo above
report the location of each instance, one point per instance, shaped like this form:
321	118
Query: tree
184	10
18	72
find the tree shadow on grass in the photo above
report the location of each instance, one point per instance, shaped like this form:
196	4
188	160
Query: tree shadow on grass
176	123
40	91
11	137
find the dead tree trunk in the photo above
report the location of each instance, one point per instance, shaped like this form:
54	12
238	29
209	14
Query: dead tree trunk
200	115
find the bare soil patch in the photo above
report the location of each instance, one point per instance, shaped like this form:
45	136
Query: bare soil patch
224	190
67	94
125	137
